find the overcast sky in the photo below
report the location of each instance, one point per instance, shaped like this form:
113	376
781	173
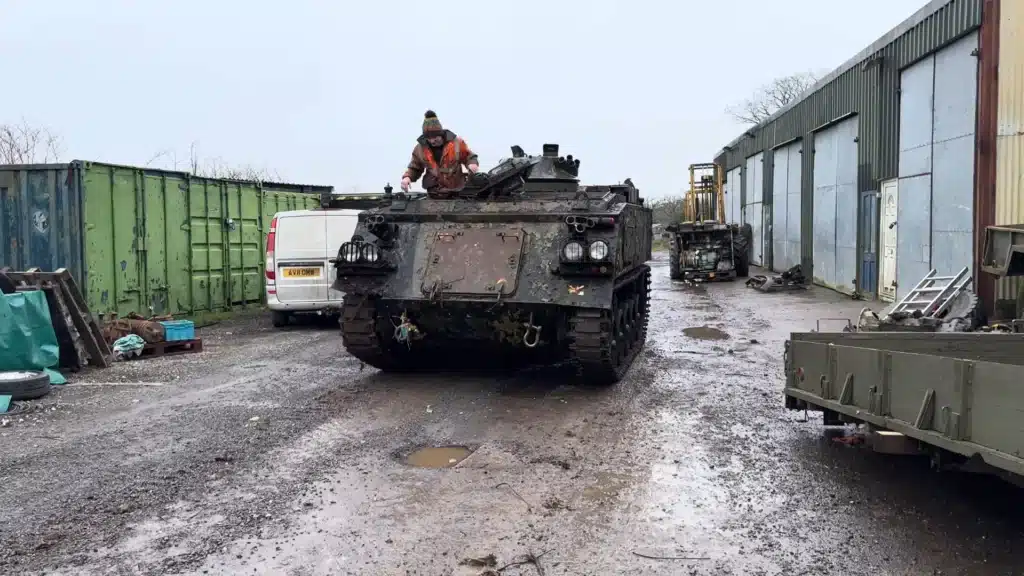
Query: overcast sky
334	92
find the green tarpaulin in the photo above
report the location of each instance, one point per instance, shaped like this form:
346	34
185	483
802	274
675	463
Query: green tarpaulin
27	340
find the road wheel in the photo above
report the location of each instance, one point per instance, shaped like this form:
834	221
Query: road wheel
741	250
674	269
742	266
280	319
24	384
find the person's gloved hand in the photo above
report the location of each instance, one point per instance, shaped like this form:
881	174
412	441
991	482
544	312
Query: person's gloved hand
406	182
473	168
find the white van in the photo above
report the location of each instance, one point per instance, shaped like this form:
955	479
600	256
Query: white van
299	274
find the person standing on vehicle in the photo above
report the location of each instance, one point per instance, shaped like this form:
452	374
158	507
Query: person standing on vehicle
439	156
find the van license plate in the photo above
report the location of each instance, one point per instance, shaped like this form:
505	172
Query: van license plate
301	272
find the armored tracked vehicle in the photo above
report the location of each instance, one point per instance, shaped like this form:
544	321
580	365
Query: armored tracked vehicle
522	266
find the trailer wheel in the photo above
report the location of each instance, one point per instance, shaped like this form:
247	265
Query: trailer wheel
24	384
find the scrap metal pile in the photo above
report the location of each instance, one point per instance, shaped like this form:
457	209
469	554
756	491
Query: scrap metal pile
936	304
792	279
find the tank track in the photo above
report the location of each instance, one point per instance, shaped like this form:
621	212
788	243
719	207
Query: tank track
595	336
359	333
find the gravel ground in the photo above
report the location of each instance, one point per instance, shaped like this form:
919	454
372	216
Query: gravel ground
274	452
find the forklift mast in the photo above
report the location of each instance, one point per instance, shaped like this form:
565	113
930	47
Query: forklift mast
704	202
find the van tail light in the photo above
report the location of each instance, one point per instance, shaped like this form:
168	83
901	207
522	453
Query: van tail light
271	270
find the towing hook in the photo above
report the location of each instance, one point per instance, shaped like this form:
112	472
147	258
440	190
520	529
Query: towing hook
535	330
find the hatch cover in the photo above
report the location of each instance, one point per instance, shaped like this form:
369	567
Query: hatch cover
478	261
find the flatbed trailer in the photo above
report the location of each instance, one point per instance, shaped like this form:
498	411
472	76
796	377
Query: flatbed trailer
956	396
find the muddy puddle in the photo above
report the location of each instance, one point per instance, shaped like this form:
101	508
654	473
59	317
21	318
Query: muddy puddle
438	456
706	333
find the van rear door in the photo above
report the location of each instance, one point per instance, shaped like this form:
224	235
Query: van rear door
301	257
341	224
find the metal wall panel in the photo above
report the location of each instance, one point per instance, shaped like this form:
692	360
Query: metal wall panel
938	111
836	206
847	203
752	211
824	237
733	198
785	235
953	144
794	205
917	97
913	220
780	190
1009	189
40	219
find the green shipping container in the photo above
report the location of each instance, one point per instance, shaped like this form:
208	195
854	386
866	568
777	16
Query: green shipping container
143	240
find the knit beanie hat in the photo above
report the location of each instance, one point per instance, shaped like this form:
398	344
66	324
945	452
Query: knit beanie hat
431	124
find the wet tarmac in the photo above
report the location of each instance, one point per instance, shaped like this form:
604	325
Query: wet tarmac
274	452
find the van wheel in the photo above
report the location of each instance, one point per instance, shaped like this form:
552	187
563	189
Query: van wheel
280	319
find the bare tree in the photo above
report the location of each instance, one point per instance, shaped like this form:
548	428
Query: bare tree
23	143
668	210
214	167
768	99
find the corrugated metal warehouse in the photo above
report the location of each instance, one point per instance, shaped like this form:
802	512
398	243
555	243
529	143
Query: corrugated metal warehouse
895	162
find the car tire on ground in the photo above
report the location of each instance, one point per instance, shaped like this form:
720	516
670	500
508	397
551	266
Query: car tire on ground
24	384
280	319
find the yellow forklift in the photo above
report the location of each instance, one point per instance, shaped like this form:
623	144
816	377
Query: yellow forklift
704	247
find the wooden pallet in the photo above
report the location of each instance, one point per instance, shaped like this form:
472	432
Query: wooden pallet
77	331
172	348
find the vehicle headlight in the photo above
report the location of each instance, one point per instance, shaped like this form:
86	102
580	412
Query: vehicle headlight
598	250
371	253
349	252
573	252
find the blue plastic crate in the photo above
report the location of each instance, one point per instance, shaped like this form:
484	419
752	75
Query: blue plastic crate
178	330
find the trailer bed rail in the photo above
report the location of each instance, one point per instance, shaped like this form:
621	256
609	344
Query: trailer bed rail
963	392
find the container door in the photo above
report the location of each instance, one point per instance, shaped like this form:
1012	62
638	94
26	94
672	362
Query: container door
300	256
887	232
341	224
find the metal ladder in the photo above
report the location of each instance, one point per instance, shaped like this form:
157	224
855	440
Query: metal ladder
933	294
